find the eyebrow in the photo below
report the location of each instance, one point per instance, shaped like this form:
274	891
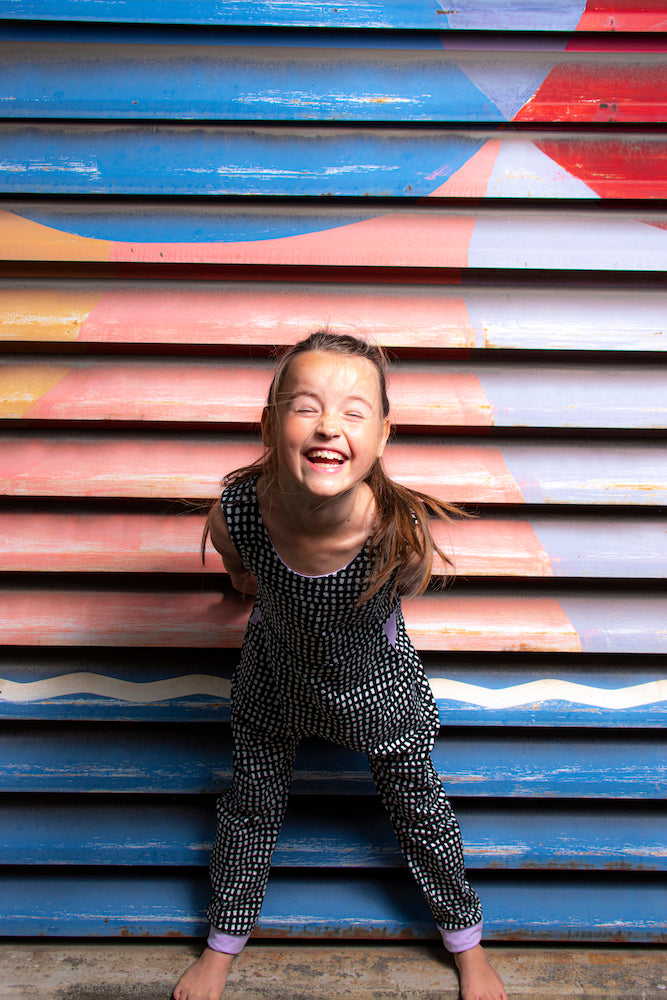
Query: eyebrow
288	397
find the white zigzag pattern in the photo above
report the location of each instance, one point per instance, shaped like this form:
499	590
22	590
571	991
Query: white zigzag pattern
444	689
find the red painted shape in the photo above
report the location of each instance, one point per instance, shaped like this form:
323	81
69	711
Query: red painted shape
612	170
472	179
103	543
90	617
169	543
161	392
438	400
584	91
405	240
612	15
108	618
153	466
222	392
493	547
490	623
275	314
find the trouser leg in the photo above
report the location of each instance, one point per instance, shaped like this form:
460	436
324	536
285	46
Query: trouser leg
250	815
428	834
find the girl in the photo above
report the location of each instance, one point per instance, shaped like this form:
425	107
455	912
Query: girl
327	543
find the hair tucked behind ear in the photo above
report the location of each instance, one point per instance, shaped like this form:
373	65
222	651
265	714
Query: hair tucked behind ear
402	543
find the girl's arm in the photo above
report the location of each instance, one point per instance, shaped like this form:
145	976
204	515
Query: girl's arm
241	579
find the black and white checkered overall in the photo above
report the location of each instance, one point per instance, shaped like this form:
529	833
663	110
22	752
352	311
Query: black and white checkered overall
314	663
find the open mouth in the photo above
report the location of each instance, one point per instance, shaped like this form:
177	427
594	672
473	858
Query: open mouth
325	458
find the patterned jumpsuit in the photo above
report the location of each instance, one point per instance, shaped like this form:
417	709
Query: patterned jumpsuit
314	663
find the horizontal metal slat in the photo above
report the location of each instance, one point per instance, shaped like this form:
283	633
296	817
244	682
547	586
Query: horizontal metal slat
603	546
515	15
376	905
235	391
102	685
269	161
459	470
322	833
248	76
554	621
263	314
392	235
131	759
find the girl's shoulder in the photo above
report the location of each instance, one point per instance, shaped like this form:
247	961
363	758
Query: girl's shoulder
240	510
240	493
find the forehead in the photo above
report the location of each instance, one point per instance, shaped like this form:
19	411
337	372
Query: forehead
333	372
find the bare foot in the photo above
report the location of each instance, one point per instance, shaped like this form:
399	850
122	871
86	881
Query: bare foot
206	978
479	980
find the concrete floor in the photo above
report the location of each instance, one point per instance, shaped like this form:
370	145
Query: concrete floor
148	970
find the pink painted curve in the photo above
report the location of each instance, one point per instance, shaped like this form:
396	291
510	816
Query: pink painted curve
400	240
472	179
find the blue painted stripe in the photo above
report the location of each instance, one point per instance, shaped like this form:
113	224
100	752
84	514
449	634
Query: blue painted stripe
630	707
543	763
326	832
327	905
164	160
227	79
512	15
270	160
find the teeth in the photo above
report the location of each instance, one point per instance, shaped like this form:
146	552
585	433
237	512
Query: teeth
327	456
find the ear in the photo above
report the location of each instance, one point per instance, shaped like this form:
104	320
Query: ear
386	430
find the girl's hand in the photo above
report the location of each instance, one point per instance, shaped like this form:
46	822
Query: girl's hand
246	584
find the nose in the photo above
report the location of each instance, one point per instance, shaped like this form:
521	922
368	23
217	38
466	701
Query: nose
328	425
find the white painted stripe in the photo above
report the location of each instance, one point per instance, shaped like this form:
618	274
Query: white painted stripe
550	690
444	689
111	687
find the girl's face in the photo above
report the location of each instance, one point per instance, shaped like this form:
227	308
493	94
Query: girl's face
329	428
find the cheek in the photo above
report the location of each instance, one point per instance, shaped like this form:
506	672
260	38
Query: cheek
291	434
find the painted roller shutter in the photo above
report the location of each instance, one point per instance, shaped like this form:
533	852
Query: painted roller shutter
481	191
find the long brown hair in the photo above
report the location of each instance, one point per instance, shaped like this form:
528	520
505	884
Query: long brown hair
402	543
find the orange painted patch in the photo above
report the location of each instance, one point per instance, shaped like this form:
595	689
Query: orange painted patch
410	240
23	239
472	179
22	386
491	624
44	313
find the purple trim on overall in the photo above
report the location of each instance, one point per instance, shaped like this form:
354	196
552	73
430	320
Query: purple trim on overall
390	629
457	941
229	944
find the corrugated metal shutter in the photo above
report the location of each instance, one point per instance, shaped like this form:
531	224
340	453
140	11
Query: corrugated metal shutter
481	191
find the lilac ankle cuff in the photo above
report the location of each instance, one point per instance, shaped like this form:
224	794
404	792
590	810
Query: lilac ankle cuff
229	944
456	941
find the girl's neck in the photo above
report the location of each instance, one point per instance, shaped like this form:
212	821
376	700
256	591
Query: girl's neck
317	538
353	510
